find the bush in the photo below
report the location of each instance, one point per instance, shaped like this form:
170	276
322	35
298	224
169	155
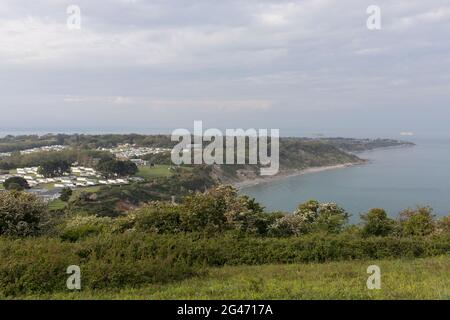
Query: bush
377	223
82	226
331	218
38	265
443	225
289	225
66	193
418	222
21	214
220	209
16	183
158	217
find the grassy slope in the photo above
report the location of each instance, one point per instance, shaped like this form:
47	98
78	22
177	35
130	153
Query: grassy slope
153	172
427	278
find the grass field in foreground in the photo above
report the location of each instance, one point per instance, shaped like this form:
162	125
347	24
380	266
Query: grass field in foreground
427	278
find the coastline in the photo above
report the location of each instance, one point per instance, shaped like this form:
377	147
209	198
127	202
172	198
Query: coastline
292	173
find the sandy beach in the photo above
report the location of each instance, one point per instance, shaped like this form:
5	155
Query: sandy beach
290	173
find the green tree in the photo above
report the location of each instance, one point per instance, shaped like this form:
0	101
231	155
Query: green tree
377	223
308	211
312	215
54	168
289	225
158	217
221	208
112	167
21	213
331	218
16	183
417	222
66	193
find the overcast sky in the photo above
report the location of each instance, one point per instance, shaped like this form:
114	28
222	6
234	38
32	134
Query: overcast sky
301	66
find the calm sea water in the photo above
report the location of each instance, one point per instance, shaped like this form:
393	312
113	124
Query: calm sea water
394	179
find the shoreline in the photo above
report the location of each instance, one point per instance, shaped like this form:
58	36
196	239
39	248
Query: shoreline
293	173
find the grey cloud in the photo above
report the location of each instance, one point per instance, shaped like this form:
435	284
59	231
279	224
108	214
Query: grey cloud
309	63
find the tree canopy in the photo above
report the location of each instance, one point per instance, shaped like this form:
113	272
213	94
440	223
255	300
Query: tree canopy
54	168
114	167
16	183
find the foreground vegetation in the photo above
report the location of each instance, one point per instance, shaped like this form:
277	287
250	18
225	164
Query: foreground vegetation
162	242
426	278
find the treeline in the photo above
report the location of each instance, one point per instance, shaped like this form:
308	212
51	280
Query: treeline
15	143
36	159
219	210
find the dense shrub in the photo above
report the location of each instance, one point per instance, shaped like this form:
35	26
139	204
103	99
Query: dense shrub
417	222
331	218
158	217
289	225
443	225
82	226
66	193
377	223
311	216
16	183
39	265
216	210
133	259
21	214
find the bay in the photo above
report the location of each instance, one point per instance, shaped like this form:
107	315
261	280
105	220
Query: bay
394	179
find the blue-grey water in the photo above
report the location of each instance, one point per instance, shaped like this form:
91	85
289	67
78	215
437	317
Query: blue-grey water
395	179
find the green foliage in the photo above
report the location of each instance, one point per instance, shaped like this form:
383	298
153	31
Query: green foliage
217	210
21	214
331	218
82	226
16	183
409	279
311	216
54	168
417	222
114	167
443	225
157	217
308	211
132	259
289	225
66	193
11	143
39	265
377	223
82	156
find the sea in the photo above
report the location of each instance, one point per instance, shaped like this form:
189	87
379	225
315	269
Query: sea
394	179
